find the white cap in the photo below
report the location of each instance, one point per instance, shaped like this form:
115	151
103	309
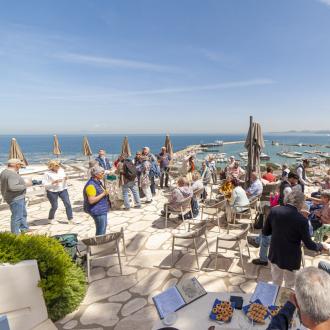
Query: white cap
14	161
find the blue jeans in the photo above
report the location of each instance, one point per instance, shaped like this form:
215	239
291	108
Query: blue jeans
101	222
53	199
264	242
18	216
153	185
325	266
132	186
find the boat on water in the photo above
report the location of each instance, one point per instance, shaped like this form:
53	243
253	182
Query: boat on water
288	154
264	156
216	143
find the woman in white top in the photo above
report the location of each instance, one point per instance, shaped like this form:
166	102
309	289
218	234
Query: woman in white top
239	200
56	187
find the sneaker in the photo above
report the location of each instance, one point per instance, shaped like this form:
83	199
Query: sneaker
252	242
148	202
137	206
259	262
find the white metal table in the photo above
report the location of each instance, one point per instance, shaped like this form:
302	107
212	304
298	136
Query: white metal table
195	316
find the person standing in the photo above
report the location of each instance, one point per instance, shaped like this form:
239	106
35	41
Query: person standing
164	161
301	172
13	189
289	229
103	160
55	182
287	185
213	169
154	170
128	180
144	180
96	200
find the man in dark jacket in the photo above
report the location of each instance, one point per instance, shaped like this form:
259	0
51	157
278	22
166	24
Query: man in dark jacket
289	228
164	159
286	186
103	161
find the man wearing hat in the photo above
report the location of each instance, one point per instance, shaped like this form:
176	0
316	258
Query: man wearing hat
13	189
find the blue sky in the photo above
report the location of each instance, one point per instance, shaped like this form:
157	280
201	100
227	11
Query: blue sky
163	66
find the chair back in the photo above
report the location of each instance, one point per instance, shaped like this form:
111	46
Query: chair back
101	243
185	203
198	192
194	233
245	230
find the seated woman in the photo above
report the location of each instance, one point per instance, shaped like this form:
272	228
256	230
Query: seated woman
227	187
239	199
269	176
324	185
236	171
180	193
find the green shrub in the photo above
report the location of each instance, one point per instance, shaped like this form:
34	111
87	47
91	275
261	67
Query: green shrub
62	281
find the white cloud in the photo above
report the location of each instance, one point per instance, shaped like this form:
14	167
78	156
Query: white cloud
189	89
326	2
112	62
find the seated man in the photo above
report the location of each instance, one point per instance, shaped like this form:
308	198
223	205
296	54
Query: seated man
311	298
322	216
255	188
180	193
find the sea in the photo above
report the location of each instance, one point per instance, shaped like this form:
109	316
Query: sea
38	148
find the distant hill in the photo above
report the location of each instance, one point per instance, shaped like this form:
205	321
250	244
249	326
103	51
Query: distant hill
303	132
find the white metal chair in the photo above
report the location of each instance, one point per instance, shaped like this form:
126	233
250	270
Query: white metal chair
213	210
190	240
181	208
234	242
102	246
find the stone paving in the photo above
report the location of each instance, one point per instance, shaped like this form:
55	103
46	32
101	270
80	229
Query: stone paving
125	302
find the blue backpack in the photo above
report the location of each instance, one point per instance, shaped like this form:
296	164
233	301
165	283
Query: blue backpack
154	170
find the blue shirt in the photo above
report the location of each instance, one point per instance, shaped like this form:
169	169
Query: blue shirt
255	189
104	162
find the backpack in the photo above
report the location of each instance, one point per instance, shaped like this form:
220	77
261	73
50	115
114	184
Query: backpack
154	170
129	170
70	244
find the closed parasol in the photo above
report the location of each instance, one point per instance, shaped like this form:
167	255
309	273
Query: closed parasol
16	152
56	147
168	145
125	148
87	151
254	144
